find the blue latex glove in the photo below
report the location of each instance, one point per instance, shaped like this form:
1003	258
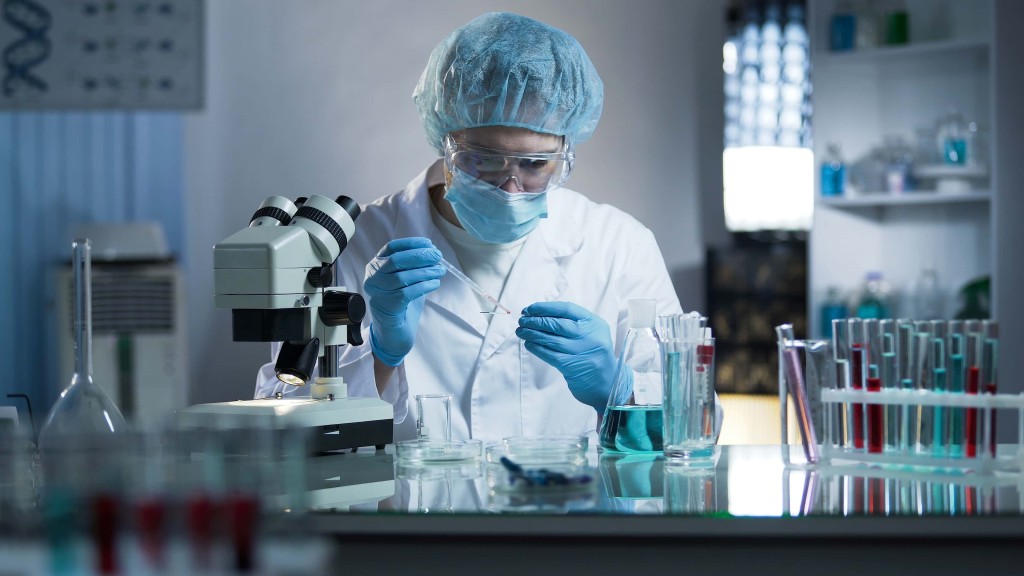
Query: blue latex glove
397	281
574	341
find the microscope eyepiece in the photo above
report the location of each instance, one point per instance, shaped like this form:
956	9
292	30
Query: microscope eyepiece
329	223
350	206
274	211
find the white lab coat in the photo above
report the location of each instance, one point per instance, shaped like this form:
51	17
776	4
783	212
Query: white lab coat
590	254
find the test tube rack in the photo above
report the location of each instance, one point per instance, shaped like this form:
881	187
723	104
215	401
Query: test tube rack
867	489
838	452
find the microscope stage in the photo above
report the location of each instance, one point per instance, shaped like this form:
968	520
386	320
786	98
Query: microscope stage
343	422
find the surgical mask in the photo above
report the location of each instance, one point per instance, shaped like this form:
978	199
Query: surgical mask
491	214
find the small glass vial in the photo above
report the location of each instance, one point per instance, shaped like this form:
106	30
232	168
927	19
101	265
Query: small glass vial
953	137
833	173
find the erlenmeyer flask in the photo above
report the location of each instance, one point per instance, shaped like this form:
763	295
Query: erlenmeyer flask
83	409
632	420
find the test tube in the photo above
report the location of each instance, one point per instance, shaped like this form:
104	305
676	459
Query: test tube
990	364
875	412
890	379
923	381
905	355
858	377
955	372
841	352
940	438
972	386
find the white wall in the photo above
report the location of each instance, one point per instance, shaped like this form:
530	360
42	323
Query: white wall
313	97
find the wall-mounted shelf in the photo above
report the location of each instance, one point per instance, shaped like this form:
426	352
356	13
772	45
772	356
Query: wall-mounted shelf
889	53
879	199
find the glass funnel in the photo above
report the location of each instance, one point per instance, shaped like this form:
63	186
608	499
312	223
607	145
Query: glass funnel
83	409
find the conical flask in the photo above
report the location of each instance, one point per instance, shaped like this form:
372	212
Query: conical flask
83	409
632	420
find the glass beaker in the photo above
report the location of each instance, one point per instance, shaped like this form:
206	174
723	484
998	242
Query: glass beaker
83	409
632	420
434	417
806	367
688	364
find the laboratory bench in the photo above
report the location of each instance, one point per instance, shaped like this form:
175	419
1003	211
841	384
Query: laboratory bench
745	512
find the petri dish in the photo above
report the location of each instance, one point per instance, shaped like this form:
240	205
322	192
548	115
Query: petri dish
541	450
570	465
437	451
469	469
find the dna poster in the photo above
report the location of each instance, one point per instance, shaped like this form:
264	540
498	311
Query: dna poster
101	54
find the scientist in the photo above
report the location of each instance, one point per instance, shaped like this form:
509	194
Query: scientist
504	101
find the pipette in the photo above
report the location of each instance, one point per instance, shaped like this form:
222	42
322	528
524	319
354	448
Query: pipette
475	287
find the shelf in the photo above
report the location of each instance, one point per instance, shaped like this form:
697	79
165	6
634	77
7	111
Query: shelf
887	53
923	197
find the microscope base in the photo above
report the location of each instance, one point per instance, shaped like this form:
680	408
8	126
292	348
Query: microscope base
339	424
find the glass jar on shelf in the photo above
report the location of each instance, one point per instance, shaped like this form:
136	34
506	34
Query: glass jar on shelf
833	172
952	138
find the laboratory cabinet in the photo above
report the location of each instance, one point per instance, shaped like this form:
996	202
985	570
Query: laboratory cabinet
906	206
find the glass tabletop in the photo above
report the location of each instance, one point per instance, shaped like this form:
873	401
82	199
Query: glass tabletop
741	481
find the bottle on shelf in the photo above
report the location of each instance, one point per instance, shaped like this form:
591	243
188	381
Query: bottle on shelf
833	308
833	172
873	300
899	161
844	27
897	23
867	35
929	299
952	139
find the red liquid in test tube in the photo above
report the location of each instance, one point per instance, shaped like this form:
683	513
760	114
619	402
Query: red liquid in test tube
857	370
876	420
200	528
150	516
971	425
244	510
104	508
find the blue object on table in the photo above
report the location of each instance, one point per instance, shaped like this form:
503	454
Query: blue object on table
541	477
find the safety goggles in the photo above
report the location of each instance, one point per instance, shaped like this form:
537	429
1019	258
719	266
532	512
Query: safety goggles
533	172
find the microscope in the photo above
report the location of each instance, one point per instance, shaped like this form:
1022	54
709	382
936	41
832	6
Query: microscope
275	275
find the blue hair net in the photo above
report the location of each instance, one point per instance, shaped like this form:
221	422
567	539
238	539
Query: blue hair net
508	70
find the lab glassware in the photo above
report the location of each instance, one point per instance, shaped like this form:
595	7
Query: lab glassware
833	172
953	139
633	417
690	490
454	271
805	368
434	442
83	409
434	417
688	404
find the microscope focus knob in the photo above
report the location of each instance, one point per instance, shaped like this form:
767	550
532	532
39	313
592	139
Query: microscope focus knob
321	276
342	308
